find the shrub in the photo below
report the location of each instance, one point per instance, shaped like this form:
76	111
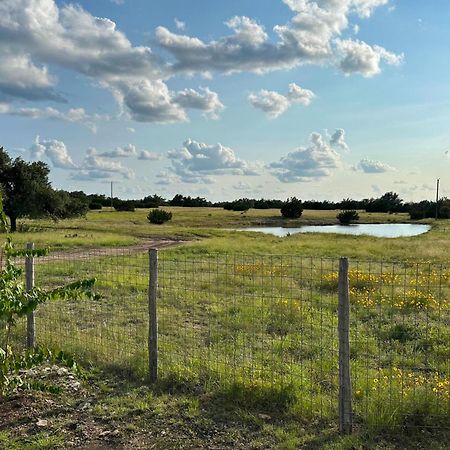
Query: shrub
95	205
292	208
159	216
347	217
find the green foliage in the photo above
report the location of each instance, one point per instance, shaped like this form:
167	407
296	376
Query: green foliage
159	216
95	205
13	364
348	217
243	204
292	208
123	205
16	302
388	202
27	192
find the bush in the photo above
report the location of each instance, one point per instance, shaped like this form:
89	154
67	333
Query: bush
347	217
292	208
159	216
95	205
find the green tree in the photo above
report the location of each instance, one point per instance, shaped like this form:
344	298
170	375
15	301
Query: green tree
27	192
292	208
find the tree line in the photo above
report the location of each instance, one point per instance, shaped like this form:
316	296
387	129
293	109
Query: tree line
28	193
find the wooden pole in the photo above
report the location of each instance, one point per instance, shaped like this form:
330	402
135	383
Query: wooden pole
437	199
29	276
152	316
345	387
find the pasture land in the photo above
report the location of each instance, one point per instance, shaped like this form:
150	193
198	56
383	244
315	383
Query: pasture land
248	343
209	230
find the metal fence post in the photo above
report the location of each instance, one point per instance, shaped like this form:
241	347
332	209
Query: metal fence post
29	276
345	387
152	315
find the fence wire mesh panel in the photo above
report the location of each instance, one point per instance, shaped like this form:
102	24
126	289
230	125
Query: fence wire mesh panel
111	331
256	321
266	323
399	338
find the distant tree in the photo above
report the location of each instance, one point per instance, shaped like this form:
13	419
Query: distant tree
388	202
243	204
347	217
292	208
95	206
124	205
27	191
152	201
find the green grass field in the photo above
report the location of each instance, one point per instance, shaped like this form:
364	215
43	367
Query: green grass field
255	335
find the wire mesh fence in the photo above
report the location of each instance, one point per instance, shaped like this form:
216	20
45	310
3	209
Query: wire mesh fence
268	323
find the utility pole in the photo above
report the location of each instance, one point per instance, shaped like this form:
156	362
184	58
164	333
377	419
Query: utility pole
437	199
112	207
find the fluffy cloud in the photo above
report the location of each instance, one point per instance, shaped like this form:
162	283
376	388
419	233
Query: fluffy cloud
274	104
121	152
311	36
359	57
307	163
196	161
206	100
73	115
372	166
73	39
150	101
53	150
38	34
20	78
129	151
270	102
145	155
94	166
180	25
338	140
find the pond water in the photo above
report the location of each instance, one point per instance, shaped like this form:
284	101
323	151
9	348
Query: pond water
385	230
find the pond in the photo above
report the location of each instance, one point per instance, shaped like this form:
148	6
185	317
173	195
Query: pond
384	230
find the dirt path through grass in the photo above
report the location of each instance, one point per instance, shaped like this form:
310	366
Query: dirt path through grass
145	244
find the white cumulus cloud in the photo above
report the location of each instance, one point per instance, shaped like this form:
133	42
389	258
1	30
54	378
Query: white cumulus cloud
359	57
310	37
313	162
274	104
53	150
196	161
372	166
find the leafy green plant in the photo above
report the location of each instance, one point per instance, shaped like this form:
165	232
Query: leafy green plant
17	302
347	217
159	216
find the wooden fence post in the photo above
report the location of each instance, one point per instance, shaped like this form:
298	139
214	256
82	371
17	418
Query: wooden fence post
29	277
345	387
152	315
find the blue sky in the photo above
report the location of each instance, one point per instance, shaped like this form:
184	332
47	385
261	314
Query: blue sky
320	99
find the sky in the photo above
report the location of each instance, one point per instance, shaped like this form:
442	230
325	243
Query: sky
321	99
